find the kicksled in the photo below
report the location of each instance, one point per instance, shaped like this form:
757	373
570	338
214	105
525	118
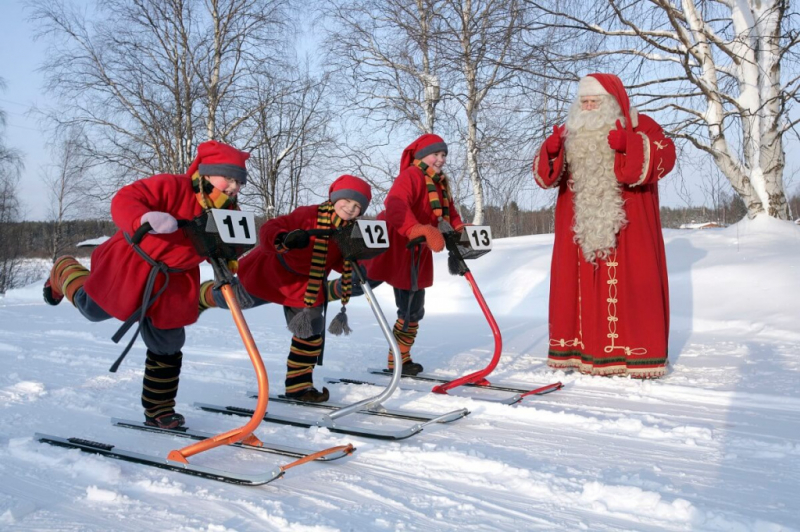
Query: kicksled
473	242
364	239
218	246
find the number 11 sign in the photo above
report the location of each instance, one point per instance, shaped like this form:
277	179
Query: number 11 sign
235	227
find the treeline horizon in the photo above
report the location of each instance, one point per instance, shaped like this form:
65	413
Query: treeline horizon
35	238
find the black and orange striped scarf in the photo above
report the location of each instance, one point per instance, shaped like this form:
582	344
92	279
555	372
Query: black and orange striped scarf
211	197
440	208
326	219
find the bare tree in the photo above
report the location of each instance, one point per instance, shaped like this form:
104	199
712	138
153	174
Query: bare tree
388	52
287	136
147	80
479	38
65	181
10	166
725	72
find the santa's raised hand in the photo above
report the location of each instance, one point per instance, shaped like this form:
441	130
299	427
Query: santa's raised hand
555	140
618	138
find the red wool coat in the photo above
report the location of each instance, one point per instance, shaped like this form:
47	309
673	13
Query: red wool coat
263	275
407	205
613	317
119	274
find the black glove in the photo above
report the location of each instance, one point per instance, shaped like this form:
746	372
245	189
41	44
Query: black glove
297	239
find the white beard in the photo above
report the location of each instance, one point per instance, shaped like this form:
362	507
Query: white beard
599	211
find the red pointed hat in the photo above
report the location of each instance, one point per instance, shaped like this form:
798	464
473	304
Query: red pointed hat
613	86
424	145
217	158
351	187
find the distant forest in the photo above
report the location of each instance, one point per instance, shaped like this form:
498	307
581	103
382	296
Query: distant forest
35	238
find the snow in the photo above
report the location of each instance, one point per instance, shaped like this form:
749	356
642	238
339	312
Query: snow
93	242
713	446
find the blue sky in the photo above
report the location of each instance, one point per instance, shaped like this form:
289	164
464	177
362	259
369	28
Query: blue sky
22	56
19	60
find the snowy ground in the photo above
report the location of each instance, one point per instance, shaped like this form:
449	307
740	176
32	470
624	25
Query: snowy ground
715	445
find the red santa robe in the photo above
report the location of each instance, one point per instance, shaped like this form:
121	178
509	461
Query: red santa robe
612	317
407	205
119	274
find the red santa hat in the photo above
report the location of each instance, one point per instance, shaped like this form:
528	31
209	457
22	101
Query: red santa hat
351	187
608	84
217	158
424	145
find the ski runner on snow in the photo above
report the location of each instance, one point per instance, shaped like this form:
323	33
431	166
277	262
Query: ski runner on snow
290	267
117	282
609	299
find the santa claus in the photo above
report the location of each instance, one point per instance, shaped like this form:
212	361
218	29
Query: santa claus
609	299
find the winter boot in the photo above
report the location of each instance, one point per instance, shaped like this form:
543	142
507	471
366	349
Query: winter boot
159	389
310	395
165	421
405	339
303	358
411	368
67	276
206	296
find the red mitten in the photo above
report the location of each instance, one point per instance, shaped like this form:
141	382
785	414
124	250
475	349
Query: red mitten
618	138
553	143
433	237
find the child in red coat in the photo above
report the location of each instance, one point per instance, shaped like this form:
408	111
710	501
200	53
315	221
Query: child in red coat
290	267
119	274
419	204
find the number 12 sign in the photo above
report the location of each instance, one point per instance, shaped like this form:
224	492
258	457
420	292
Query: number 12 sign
480	236
235	227
374	233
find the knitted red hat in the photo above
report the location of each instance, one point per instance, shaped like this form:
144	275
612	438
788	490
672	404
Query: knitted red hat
613	85
351	187
216	158
424	145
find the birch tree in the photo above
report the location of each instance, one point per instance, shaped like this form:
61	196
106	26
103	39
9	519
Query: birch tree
286	137
388	53
147	80
10	166
65	180
480	37
724	72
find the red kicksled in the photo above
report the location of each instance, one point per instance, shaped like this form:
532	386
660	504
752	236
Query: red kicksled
459	246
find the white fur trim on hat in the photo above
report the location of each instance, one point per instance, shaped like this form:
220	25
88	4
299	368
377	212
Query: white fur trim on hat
589	86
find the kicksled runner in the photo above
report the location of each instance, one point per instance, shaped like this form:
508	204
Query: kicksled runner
474	242
219	237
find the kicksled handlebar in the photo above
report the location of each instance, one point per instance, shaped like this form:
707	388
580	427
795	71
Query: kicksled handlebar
145	228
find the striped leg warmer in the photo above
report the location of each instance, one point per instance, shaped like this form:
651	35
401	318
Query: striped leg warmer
160	384
206	297
66	277
303	356
404	340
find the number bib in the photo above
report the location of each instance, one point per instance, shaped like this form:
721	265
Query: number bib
222	233
368	239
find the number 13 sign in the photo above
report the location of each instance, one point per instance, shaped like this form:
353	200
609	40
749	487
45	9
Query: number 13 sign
235	227
480	236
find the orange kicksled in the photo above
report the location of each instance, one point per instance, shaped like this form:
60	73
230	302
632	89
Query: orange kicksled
219	247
